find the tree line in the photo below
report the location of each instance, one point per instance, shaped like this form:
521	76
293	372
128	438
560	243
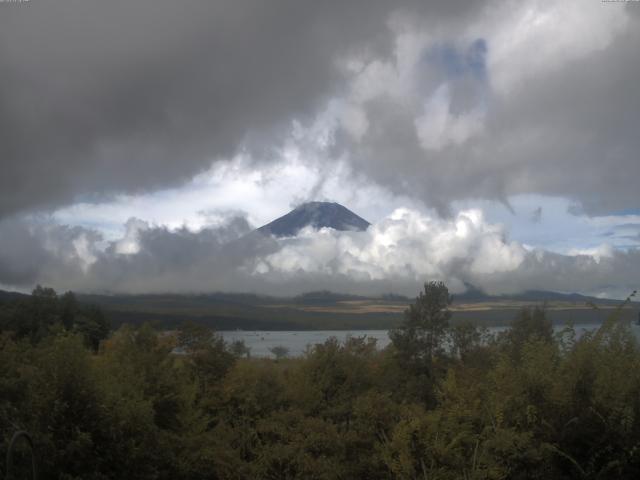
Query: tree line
440	402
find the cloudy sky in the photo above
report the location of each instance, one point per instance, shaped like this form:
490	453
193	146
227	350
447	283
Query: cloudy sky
492	142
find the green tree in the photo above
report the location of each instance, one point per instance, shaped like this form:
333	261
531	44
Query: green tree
68	309
279	351
93	325
240	349
531	324
207	354
39	314
464	338
421	336
45	313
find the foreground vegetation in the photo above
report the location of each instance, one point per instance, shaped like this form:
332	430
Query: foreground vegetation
440	402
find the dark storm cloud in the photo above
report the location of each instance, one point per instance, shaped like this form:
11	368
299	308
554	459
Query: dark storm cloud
212	259
556	115
614	275
22	255
40	251
99	97
147	259
583	120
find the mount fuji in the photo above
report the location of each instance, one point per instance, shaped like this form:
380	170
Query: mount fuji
317	215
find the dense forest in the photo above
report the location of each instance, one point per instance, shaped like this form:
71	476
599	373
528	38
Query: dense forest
441	402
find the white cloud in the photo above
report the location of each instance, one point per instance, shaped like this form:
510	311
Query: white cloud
406	245
130	243
397	253
598	253
84	251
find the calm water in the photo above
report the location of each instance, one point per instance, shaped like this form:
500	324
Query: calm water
297	341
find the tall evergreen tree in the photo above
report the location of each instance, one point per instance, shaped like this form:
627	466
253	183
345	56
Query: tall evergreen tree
421	335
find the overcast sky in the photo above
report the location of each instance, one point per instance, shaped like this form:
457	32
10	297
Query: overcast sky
491	142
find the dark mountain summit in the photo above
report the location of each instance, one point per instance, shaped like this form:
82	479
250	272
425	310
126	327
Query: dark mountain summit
317	215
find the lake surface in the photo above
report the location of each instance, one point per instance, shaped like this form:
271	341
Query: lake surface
260	342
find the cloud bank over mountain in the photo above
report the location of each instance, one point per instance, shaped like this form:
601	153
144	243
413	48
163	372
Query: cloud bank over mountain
396	254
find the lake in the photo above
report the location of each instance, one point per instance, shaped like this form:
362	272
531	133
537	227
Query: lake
260	342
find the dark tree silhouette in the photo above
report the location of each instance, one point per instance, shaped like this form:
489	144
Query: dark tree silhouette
421	335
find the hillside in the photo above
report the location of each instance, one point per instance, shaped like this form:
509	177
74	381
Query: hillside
329	311
326	310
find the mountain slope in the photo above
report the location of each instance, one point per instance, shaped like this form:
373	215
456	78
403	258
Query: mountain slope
317	215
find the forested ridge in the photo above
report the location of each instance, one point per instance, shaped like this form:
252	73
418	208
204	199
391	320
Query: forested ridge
441	402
